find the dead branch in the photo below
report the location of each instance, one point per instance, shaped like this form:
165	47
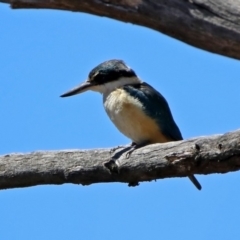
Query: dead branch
205	155
210	25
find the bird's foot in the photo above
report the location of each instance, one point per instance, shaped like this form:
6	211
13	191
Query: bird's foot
134	146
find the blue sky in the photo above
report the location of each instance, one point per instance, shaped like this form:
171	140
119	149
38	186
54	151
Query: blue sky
46	52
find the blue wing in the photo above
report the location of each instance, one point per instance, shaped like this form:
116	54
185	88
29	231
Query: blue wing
156	107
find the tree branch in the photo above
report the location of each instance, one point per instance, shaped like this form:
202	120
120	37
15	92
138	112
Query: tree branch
205	155
213	25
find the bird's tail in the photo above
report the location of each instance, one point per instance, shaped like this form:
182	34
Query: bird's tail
195	182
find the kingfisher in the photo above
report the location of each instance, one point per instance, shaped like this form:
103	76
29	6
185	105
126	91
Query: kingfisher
138	110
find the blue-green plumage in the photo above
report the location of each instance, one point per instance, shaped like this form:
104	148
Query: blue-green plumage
138	110
156	107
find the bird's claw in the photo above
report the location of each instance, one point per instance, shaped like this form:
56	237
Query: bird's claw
128	154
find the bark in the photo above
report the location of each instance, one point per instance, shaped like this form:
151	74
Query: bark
213	25
204	155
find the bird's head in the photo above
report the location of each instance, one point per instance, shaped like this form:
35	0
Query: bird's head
106	77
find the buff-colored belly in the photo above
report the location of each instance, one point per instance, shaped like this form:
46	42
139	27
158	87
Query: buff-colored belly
128	116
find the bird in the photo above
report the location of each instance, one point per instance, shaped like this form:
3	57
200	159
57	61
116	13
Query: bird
138	110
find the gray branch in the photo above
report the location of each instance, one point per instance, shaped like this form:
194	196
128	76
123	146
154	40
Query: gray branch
213	25
205	155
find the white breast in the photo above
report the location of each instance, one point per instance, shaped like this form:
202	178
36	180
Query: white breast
118	106
128	116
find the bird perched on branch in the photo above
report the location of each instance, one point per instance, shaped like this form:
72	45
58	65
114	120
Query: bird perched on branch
138	110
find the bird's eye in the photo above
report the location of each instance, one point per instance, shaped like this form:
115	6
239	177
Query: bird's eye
98	78
94	75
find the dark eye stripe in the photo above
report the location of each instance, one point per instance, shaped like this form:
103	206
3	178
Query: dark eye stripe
108	76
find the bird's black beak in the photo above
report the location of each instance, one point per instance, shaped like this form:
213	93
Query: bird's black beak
79	89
